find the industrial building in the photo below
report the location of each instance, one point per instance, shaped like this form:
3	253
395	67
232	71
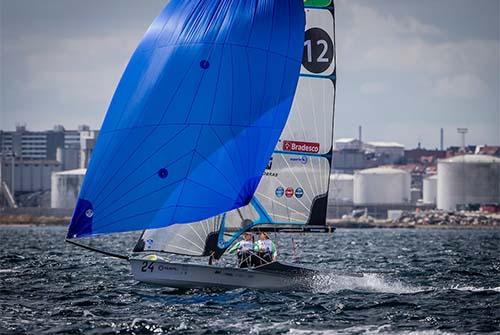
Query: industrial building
65	188
468	181
28	159
352	154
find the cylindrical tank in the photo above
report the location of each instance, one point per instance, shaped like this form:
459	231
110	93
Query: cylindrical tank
383	185
65	188
415	195
341	188
430	190
466	180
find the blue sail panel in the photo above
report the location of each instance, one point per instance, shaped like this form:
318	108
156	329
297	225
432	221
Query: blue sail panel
195	117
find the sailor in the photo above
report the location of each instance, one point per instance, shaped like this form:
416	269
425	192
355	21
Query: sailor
244	249
266	249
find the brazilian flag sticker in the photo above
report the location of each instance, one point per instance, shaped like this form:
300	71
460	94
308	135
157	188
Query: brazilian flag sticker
317	3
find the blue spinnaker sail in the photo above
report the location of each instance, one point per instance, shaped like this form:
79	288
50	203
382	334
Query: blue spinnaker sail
195	117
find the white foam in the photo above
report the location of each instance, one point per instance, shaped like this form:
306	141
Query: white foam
327	283
383	330
475	289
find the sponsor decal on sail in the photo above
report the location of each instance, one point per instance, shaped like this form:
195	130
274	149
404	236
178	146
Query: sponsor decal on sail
269	167
289	192
300	159
299	192
279	191
296	146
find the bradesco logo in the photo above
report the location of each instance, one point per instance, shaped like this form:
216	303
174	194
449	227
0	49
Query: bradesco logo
309	147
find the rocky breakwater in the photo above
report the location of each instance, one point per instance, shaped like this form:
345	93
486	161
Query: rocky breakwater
453	219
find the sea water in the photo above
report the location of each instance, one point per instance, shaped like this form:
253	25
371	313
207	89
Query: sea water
414	282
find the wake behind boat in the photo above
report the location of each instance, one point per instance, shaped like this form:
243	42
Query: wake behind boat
222	122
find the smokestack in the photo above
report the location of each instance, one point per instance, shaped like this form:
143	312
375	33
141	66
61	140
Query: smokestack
442	139
360	133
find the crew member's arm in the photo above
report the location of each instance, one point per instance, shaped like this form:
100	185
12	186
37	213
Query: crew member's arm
234	248
274	251
256	247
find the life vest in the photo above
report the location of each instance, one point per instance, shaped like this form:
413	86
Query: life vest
265	246
245	246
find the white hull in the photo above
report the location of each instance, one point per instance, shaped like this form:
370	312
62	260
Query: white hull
178	275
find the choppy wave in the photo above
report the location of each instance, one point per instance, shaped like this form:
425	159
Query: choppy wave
331	282
367	330
409	286
474	289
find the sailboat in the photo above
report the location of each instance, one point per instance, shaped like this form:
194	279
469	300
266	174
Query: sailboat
222	122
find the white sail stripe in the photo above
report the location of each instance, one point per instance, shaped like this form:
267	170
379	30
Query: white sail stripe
289	219
283	205
205	230
181	248
315	127
194	230
188	240
304	131
290	170
325	135
298	182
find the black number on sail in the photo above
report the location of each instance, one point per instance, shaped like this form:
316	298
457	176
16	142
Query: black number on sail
318	50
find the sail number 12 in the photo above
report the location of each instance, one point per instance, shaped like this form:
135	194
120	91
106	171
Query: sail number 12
318	50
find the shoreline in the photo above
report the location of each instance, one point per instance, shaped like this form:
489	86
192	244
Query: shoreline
43	222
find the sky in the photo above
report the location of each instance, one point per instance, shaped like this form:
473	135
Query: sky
405	68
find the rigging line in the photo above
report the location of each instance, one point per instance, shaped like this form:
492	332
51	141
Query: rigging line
136	168
88	247
289	218
190	241
298	182
203	223
240	214
191	252
305	137
196	233
283	205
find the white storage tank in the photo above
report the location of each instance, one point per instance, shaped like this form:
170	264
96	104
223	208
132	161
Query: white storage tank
468	179
430	190
65	188
382	185
341	188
